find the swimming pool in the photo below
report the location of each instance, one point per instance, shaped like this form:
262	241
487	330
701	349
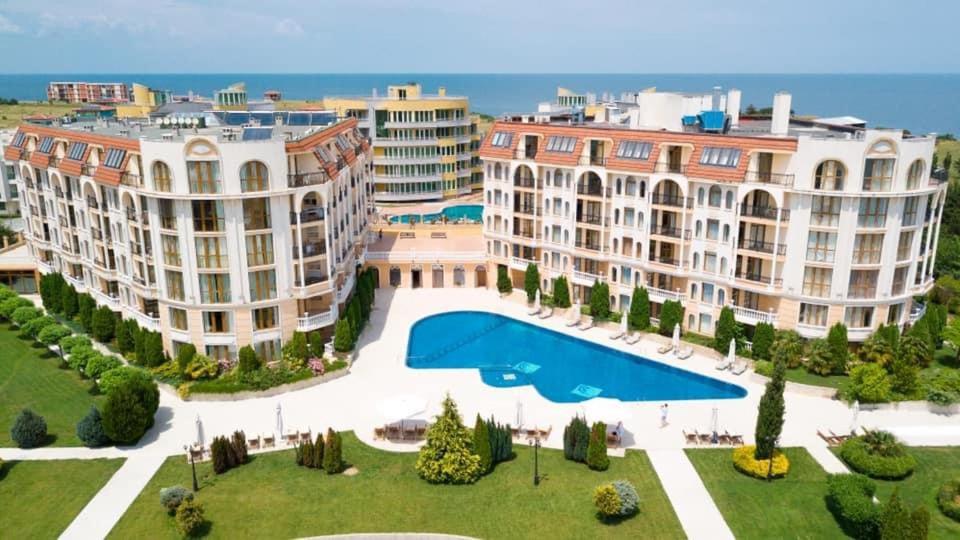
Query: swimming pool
473	212
564	369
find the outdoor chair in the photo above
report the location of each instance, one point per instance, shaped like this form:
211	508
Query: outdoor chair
269	441
664	349
254	443
379	433
724	438
305	437
393	432
292	438
546	313
532	433
685	353
421	431
410	432
829	439
690	438
633	338
544	434
515	431
705	438
616	334
738	367
736	440
586	324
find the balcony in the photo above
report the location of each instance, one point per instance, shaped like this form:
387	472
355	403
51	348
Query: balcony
764	177
757	277
762	247
671	200
673	168
525	233
753	316
96	234
672	232
53	162
763	212
77	283
527	209
296	180
88	170
662	295
307	216
308	322
63	221
135	248
344	291
524	182
592	246
147	321
586	278
109	300
130	179
593	190
92	203
131	214
596	161
669	261
520	263
591	219
310	249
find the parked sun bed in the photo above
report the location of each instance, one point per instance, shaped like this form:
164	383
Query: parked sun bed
829	439
738	367
534	311
664	349
685	353
573	322
546	313
544	434
305	437
254	443
586	324
690	438
722	364
633	338
616	334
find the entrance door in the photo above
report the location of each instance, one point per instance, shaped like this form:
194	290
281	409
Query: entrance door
438	277
415	276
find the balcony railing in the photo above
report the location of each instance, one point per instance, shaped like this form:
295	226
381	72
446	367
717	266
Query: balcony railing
525	209
763	212
757	277
590	189
669	261
587	276
307	216
130	179
63	221
523	181
671	200
88	170
308	322
96	234
592	219
131	214
520	263
673	232
296	180
675	168
53	162
764	177
310	249
598	161
761	246
593	246
92	203
135	249
663	294
753	316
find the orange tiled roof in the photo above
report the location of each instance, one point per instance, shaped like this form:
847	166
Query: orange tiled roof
73	167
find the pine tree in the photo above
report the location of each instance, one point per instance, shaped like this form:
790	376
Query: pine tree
597	458
600	301
839	348
342	341
561	292
726	330
70	305
504	285
481	445
639	318
531	281
770	414
332	457
762	340
318	448
446	458
576	438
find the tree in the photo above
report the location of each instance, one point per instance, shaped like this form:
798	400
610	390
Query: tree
597	458
333	452
819	357
23	315
947	161
86	305
90	430
152	349
770	413
576	439
762	341
103	324
915	350
787	348
125	331
671	314
29	430
33	327
531	281
876	349
904	376
316	344
639	317
248	359
868	384
129	409
446	458
52	334
342	340
481	445
600	301
51	292
184	355
839	348
504	285
726	330
70	302
190	518
898	523
948	251
561	292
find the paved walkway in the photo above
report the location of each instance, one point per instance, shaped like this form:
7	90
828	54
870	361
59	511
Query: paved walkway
695	508
107	507
827	459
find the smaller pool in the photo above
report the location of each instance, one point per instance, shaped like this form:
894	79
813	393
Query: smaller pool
471	212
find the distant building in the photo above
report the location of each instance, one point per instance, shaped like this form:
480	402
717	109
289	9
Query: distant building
88	92
233	97
145	100
272	95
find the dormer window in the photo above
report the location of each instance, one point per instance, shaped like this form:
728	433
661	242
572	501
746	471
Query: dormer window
502	139
720	157
114	158
46	145
76	151
558	143
634	150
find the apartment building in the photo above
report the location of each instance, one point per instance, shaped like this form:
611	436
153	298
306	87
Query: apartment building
797	223
9	193
425	146
209	229
88	92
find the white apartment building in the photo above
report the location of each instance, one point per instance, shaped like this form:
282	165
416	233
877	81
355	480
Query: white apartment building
9	194
215	230
797	223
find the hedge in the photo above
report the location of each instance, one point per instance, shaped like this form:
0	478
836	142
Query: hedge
745	462
948	499
857	454
850	500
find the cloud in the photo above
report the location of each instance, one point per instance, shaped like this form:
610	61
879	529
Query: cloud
288	27
8	27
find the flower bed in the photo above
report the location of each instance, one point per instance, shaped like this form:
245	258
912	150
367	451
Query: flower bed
878	455
745	462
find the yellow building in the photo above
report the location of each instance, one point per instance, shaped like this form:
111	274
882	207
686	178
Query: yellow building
425	145
144	100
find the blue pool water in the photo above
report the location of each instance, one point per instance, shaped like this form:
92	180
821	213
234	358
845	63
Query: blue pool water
473	212
564	369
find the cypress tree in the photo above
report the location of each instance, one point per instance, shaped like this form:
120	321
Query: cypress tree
531	281
639	318
332	458
770	414
762	340
481	445
726	330
318	448
342	341
70	299
504	285
671	314
839	347
561	292
600	301
597	458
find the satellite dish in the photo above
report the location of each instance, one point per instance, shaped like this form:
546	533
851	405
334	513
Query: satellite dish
166	121
195	121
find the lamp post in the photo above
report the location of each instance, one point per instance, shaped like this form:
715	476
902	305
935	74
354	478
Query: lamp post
193	466
535	443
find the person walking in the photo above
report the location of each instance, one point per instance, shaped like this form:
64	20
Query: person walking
663	415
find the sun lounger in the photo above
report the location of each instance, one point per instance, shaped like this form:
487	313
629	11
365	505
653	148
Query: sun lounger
305	437
829	439
410	432
664	349
254	443
722	365
379	433
724	438
705	438
586	325
421	431
840	438
574	322
685	353
738	367
613	440
546	313
292	438
269	441
632	338
532	433
690	438
393	432
736	440
196	452
616	334
544	434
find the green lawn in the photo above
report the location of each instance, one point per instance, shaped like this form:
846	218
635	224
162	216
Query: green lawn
41	498
791	507
802	376
277	499
934	467
11	115
29	378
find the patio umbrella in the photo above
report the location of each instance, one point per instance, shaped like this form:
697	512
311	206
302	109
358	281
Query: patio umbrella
536	300
607	410
715	424
519	413
676	338
279	422
401	407
199	431
732	352
575	312
854	423
623	322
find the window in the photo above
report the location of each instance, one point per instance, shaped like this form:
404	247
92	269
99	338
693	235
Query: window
904	245
216	322
168	218
715	196
863	284
910	205
713	229
825	211
114	158
19	139
204	176
265	318
214	288
816	281
259	249
706	293
858	317
211	252
813	314
502	139
268	351
256	214
899	281
253	176
171	249
829	176
162	180
218	352
46	144
174	285
867	248
873	212
556	143
877	174
894	313
634	150
915	174
720	156
709	263
207	216
178	318
263	285
821	246
76	151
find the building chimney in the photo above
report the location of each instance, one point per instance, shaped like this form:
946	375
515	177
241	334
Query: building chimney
733	107
716	98
780	122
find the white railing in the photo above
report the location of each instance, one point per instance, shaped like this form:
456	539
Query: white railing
112	301
918	311
753	316
344	291
77	283
312	322
586	276
663	294
146	321
425	256
521	263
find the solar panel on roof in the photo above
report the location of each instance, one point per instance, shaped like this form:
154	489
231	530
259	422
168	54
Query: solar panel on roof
76	151
18	139
46	144
114	158
298	119
265	118
257	133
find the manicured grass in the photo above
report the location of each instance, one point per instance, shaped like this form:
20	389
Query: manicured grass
41	498
29	378
791	507
277	499
802	376
11	115
934	467
952	148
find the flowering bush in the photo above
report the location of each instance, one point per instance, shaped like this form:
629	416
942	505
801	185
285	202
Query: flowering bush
745	462
948	499
225	364
607	500
316	365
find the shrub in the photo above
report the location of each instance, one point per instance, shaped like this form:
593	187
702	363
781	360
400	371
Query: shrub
90	430
787	347
763	367
639	318
304	454
68	343
481	445
942	386
190	518
725	331
600	301
531	281
915	350
629	499
86	305
607	500
877	348
33	327
839	348
904	377
762	340
6	292
770	414
220	454
878	455
8	306
238	445
819	359
125	332
948	499
152	349
504	285
501	441
576	439
868	384
114	378
98	364
29	429
333	452
561	292
52	334
103	324
316	344
342	338
318	448
70	302
898	523
172	497
24	314
50	289
745	461
184	355
850	500
446	457
248	359
597	458
129	409
80	355
200	367
671	314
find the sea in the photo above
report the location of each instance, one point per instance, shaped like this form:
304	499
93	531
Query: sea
921	103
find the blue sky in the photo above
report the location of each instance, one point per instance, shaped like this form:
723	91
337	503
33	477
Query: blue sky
479	36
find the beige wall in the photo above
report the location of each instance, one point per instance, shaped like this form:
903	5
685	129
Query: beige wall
426	273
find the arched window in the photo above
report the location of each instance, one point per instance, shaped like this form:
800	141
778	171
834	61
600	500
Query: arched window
690	321
643	189
729	200
726	232
700	196
619	186
696	262
489	196
699	228
829	176
564	267
615	245
568	180
566	236
548	178
715	196
566	209
721	296
613	272
723	266
497	171
915	174
693	290
546	206
616	216
162	179
253	177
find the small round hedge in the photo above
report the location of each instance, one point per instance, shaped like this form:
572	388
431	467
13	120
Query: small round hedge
891	463
618	499
744	462
850	500
29	430
948	499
